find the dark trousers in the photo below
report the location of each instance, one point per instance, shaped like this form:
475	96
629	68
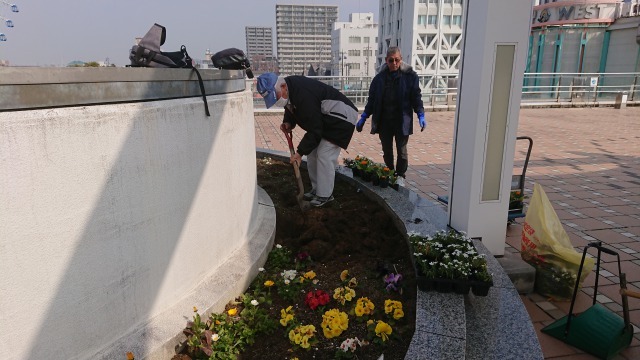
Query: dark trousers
386	138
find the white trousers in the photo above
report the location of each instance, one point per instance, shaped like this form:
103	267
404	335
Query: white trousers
321	165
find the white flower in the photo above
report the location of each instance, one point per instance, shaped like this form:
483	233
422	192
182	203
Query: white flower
289	274
287	281
261	269
215	337
278	246
254	302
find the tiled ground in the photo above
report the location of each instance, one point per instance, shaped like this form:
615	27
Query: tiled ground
588	162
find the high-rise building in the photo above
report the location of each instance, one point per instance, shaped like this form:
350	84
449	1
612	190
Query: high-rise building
428	32
259	40
354	45
260	49
304	38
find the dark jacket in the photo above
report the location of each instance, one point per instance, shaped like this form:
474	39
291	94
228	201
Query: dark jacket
322	111
408	92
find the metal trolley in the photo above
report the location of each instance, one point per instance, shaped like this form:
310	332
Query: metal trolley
516	207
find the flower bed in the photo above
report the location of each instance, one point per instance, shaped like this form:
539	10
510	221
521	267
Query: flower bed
448	262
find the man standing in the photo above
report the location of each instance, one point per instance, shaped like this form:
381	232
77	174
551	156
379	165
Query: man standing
326	115
394	95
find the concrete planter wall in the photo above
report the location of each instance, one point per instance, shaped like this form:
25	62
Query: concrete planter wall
114	215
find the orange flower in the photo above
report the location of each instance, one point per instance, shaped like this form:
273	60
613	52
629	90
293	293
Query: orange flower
344	274
130	355
232	311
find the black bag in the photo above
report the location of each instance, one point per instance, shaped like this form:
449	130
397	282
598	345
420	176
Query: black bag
232	59
147	54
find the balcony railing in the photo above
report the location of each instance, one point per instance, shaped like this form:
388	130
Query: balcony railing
537	88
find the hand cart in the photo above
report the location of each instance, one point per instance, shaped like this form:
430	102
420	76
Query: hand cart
516	203
597	330
516	196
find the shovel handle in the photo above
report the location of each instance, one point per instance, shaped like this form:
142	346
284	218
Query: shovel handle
289	137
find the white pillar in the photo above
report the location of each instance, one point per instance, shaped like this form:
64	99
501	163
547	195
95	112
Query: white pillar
496	36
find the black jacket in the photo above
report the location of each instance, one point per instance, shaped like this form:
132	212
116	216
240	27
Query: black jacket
322	111
408	92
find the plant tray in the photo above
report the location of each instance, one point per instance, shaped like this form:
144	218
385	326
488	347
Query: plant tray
461	287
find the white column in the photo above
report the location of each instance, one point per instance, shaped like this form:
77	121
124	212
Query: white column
496	35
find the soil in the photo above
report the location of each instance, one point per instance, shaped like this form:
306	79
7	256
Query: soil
350	233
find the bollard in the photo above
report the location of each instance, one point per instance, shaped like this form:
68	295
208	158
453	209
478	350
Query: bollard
621	100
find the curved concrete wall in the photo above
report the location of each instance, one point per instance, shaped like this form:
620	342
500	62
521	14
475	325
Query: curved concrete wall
110	214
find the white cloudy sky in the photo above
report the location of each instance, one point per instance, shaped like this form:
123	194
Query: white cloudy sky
56	32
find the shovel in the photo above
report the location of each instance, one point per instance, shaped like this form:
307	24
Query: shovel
304	205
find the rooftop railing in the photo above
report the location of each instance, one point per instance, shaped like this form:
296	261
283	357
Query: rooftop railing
537	88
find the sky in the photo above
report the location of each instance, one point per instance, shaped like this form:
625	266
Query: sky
56	32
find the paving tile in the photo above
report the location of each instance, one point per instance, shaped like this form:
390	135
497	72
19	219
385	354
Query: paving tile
591	224
552	347
608	236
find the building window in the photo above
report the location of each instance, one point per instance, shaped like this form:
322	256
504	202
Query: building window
354	52
451	38
432	19
433	1
451	59
425	59
429	39
355	39
422	19
446	20
367	39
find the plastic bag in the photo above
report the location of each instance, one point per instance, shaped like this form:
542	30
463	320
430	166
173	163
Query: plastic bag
547	247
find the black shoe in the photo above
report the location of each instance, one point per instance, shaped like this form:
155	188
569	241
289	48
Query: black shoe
320	201
310	195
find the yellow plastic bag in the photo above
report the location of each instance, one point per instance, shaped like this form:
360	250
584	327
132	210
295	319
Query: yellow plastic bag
547	247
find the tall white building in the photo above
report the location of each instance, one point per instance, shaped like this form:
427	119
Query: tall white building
428	32
354	46
304	37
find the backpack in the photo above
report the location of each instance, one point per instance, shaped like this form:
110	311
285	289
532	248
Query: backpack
147	54
232	59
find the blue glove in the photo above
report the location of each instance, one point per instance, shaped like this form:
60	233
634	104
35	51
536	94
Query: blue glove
363	119
421	121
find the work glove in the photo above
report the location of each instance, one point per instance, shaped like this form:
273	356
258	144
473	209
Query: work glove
421	121
360	124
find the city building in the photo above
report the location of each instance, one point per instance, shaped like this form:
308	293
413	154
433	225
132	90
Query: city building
590	36
429	34
354	46
259	42
304	38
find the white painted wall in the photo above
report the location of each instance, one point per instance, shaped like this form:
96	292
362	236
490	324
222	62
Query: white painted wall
110	214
